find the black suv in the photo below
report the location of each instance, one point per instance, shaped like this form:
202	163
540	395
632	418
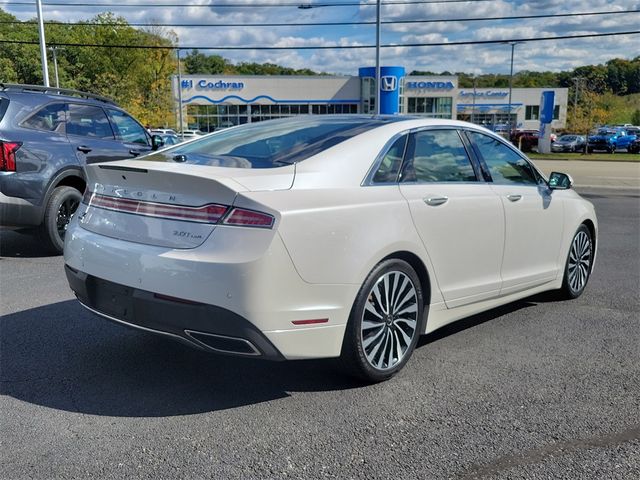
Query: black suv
47	135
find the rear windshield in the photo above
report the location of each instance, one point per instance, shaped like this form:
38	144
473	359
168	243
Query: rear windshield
4	104
269	144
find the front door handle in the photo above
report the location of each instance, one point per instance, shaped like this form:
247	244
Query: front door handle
514	197
435	201
84	149
135	153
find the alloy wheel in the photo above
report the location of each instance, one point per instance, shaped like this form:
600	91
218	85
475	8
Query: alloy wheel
579	261
389	320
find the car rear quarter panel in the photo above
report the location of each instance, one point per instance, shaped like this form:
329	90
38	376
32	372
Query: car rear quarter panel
337	235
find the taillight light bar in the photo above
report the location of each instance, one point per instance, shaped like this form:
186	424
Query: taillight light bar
8	155
211	213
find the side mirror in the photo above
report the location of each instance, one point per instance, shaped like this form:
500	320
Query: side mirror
560	181
157	142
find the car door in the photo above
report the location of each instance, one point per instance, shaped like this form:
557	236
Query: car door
89	131
135	138
534	217
458	216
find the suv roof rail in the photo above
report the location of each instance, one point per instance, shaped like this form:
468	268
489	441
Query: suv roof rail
55	91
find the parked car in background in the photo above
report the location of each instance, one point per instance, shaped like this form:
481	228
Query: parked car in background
163	131
634	147
569	143
610	140
325	236
189	134
47	136
525	140
169	140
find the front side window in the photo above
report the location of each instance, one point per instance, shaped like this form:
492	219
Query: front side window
126	128
88	121
437	156
50	118
505	166
390	165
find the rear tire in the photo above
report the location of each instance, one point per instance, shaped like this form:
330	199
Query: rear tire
61	206
385	322
579	263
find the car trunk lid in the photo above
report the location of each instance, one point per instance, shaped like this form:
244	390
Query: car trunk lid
171	205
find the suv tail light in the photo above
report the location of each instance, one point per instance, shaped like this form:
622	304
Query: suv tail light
211	213
8	156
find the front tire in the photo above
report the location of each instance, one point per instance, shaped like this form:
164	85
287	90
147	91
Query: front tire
578	265
385	322
62	204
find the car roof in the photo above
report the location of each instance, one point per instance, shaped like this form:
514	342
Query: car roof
54	92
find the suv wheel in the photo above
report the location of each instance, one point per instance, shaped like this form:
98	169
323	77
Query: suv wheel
62	204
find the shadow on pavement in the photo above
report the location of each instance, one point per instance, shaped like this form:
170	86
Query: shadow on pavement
62	357
21	244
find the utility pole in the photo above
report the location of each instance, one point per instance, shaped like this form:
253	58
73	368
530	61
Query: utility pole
43	45
513	47
378	57
577	81
55	65
473	108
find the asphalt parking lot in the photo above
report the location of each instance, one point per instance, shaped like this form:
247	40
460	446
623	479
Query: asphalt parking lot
536	389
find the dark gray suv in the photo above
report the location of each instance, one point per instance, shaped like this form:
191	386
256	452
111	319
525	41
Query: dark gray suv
47	135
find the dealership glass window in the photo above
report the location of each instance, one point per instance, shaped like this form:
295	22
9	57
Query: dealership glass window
437	156
556	112
532	112
433	107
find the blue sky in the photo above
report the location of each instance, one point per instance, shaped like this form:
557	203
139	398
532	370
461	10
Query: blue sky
548	55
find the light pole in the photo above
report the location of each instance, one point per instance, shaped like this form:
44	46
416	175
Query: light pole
378	57
308	6
180	126
43	45
513	47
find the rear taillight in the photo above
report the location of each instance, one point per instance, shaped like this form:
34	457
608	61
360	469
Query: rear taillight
8	156
249	218
212	213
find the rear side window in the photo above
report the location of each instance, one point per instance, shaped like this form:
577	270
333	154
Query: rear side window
437	156
390	165
88	121
126	128
505	165
50	118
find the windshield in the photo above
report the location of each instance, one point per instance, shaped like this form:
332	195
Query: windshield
567	138
269	144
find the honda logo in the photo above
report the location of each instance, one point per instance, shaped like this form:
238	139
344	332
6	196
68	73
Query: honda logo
388	84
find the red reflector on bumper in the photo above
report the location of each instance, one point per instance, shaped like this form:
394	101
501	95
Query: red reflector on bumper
310	322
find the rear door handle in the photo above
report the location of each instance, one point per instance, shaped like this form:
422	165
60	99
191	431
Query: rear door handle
514	197
435	201
84	149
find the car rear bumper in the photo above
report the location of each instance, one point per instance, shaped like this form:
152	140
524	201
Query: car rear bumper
18	212
222	288
196	324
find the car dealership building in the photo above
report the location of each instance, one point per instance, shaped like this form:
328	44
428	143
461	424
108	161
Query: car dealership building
217	101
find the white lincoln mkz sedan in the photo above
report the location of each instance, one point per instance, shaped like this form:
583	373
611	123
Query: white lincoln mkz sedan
325	236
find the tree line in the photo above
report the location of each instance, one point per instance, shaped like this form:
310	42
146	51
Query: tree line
140	79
